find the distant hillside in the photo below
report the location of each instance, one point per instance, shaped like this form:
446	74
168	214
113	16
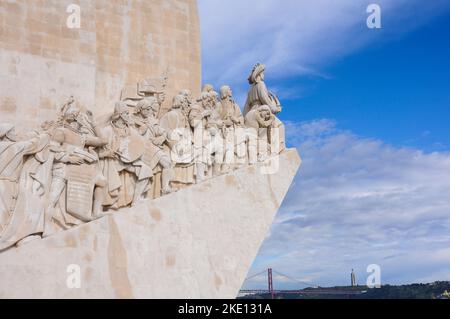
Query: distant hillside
436	290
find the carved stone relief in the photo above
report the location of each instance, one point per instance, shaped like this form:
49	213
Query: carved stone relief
75	170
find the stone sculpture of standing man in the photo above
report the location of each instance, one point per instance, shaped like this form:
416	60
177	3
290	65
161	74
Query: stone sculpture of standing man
155	137
232	130
76	193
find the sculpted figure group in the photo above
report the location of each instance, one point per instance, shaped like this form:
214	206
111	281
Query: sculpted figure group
75	170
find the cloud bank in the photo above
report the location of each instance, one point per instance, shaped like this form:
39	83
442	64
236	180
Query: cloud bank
356	202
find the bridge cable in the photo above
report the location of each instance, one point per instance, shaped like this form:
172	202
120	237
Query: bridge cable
256	275
296	280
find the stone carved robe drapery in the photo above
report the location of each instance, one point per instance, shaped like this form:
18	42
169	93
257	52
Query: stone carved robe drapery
260	95
208	140
179	133
207	135
83	173
72	188
25	173
233	133
122	173
150	130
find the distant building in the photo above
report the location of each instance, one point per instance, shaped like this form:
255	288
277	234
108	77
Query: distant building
353	279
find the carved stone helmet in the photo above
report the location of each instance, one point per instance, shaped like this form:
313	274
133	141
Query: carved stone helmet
121	111
257	70
7	130
147	103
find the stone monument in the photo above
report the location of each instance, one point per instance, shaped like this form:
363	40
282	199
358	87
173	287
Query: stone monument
129	187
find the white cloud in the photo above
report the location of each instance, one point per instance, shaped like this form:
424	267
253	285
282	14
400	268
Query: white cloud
295	37
359	201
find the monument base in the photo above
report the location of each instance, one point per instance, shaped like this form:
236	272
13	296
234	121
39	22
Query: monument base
196	243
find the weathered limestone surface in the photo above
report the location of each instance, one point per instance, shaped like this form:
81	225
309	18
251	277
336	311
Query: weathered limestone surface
196	243
120	42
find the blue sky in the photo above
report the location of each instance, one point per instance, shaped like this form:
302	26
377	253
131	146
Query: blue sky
397	91
368	111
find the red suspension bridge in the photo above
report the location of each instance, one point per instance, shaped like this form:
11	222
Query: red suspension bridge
309	287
